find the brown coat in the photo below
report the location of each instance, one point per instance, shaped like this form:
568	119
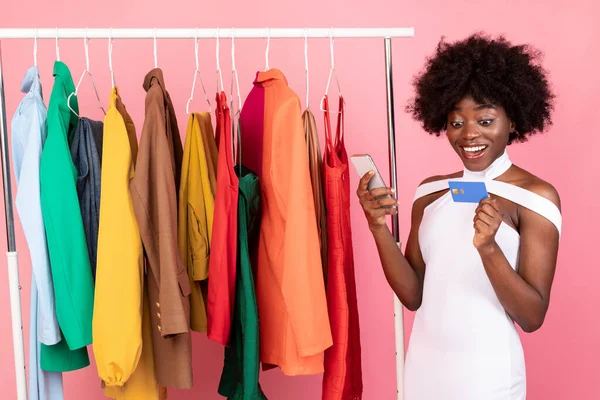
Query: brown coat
154	195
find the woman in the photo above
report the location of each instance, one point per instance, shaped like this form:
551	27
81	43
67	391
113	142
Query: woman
471	270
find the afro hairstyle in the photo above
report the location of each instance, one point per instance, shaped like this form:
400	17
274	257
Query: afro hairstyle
489	70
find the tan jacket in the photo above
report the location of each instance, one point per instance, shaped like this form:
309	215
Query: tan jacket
154	195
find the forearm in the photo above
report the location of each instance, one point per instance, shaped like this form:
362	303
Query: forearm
401	277
522	302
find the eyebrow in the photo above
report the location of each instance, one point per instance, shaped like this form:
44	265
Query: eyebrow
479	107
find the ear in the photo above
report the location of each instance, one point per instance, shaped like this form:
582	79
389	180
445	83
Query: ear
513	127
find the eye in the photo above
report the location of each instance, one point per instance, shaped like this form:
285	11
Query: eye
486	122
456	124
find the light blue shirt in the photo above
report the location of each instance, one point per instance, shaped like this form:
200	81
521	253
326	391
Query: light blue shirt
29	132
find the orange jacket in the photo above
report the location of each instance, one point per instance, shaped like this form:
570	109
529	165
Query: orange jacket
294	324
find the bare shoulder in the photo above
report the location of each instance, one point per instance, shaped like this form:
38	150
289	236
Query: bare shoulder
529	181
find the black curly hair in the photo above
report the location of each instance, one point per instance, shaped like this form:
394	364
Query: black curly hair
489	70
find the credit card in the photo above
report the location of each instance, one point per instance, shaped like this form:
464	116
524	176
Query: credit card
467	192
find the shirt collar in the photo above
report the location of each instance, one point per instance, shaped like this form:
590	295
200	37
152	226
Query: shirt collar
157	74
270	75
31	81
61	70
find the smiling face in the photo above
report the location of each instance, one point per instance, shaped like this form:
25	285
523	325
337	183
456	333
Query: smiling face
478	132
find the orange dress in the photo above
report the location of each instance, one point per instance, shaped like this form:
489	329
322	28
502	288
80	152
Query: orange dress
292	308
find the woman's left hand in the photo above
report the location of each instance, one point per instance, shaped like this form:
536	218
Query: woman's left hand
486	222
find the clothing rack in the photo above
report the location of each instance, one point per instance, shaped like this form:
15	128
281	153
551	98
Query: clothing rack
186	33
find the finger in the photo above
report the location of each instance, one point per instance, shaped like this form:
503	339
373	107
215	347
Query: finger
381	191
481	227
487	209
364	181
386	202
486	219
492	201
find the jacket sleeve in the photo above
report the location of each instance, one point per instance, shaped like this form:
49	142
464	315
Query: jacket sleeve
117	323
30	213
154	198
302	283
70	264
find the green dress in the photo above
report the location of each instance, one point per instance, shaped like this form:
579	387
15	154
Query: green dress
67	248
239	380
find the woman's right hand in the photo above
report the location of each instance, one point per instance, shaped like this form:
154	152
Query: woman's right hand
376	209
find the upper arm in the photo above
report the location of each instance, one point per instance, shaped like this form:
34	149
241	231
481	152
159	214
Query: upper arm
539	243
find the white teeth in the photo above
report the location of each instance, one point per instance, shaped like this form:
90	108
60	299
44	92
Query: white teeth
474	149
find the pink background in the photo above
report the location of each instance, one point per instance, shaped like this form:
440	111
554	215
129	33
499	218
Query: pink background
562	358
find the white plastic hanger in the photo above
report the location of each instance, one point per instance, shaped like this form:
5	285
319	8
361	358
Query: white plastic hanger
267	50
155	51
306	65
332	72
234	74
35	47
219	73
86	71
197	74
57	49
235	131
110	66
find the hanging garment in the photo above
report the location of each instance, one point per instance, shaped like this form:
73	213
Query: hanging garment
69	260
86	152
196	210
221	268
294	325
463	344
316	175
239	380
29	131
123	352
342	379
154	194
212	154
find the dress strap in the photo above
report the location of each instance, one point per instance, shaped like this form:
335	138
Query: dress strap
527	199
431	187
516	194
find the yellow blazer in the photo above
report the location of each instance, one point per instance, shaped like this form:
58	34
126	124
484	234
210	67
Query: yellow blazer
196	209
121	330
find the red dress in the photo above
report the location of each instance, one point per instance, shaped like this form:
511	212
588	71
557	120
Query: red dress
222	263
342	379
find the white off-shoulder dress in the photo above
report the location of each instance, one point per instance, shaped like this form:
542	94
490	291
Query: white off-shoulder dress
463	345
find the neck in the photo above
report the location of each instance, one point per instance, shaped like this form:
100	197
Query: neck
497	168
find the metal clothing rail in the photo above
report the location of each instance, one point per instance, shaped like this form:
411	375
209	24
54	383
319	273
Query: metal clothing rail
203	33
187	33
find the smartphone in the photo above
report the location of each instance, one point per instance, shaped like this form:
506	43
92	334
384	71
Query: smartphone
468	192
363	163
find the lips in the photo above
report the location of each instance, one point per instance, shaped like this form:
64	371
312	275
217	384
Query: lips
473	151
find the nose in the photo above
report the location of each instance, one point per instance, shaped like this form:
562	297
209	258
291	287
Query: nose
470	131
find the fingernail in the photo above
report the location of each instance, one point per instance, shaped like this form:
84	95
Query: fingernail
392	190
371	172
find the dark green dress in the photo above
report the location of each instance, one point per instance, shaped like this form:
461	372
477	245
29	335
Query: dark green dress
239	380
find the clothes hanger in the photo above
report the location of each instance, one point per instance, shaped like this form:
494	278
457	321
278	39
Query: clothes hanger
197	74
110	66
234	74
219	74
267	50
332	72
35	47
306	66
86	71
57	49
235	132
155	51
